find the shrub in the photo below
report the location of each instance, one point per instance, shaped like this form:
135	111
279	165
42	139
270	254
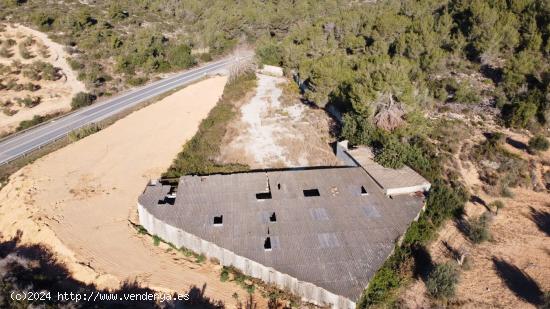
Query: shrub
442	281
465	94
505	191
83	132
141	230
156	240
250	288
224	275
136	80
82	99
8	111
29	102
31	87
518	114
25	124
269	53
24	52
496	206
180	56
538	143
200	258
392	155
478	229
75	64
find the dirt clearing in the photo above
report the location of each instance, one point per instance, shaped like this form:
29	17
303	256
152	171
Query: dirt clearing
276	130
79	199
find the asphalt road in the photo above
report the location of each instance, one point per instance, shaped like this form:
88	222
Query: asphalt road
21	144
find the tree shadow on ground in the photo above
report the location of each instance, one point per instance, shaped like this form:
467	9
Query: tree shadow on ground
516	144
34	268
520	283
463	226
423	263
495	74
478	200
541	219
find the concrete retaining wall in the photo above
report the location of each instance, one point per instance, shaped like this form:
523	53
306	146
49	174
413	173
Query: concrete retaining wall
408	190
309	292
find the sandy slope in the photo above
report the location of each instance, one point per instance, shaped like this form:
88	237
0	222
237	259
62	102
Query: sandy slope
79	199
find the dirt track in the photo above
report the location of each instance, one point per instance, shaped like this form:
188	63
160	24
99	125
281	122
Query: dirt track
79	200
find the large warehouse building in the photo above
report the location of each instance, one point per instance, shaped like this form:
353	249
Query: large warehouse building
320	233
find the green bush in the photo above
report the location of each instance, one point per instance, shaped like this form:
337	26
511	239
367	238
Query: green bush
392	155
478	229
200	258
538	143
83	132
24	52
269	53
495	206
180	56
25	124
29	102
224	275
75	64
82	99
136	80
465	94
156	240
442	281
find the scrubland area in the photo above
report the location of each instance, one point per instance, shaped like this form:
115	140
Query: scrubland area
35	78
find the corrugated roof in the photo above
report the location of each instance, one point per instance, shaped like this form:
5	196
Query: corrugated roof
336	240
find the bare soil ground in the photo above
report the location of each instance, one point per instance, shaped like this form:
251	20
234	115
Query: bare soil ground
80	200
276	130
55	95
513	268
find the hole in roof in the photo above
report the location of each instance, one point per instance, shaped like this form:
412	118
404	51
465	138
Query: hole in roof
267	244
263	196
273	218
218	220
167	200
311	192
364	191
279	186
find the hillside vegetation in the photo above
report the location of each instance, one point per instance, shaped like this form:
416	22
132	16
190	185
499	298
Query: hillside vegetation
361	57
392	67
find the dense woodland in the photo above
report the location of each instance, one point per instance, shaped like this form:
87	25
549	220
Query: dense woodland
364	58
386	65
